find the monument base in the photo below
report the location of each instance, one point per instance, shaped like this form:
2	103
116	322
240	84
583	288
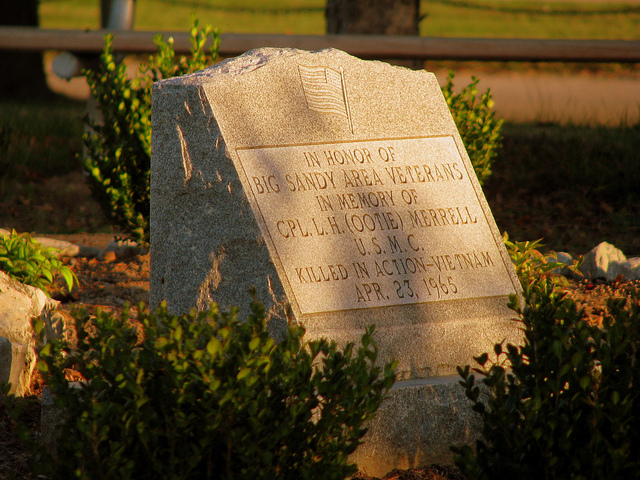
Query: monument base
415	426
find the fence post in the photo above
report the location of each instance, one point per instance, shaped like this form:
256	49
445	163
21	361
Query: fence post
117	14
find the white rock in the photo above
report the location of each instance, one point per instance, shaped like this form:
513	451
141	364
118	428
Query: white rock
19	304
604	261
631	269
66	249
122	249
561	257
14	357
564	257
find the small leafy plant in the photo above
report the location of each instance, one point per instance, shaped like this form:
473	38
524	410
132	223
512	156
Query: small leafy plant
28	262
536	270
479	128
118	147
205	395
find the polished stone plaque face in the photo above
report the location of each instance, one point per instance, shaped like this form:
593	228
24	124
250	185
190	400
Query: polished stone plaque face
373	223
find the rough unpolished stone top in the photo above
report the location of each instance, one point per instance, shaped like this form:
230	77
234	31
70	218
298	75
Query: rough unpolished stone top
245	63
254	59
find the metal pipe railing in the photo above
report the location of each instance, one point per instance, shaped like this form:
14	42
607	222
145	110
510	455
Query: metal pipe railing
363	46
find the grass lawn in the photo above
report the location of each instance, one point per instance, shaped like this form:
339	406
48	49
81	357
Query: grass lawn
39	139
533	19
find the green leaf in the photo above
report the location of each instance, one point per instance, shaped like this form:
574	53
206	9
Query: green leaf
47	274
224	332
68	276
214	346
42	366
177	333
482	359
557	348
537	403
254	343
46	349
615	398
576	358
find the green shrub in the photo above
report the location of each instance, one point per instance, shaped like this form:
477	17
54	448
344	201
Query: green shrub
28	262
206	395
564	404
118	147
478	127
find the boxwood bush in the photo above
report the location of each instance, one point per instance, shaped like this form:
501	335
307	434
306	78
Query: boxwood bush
565	404
479	128
206	395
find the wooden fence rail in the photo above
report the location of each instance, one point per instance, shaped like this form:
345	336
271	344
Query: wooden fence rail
363	46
